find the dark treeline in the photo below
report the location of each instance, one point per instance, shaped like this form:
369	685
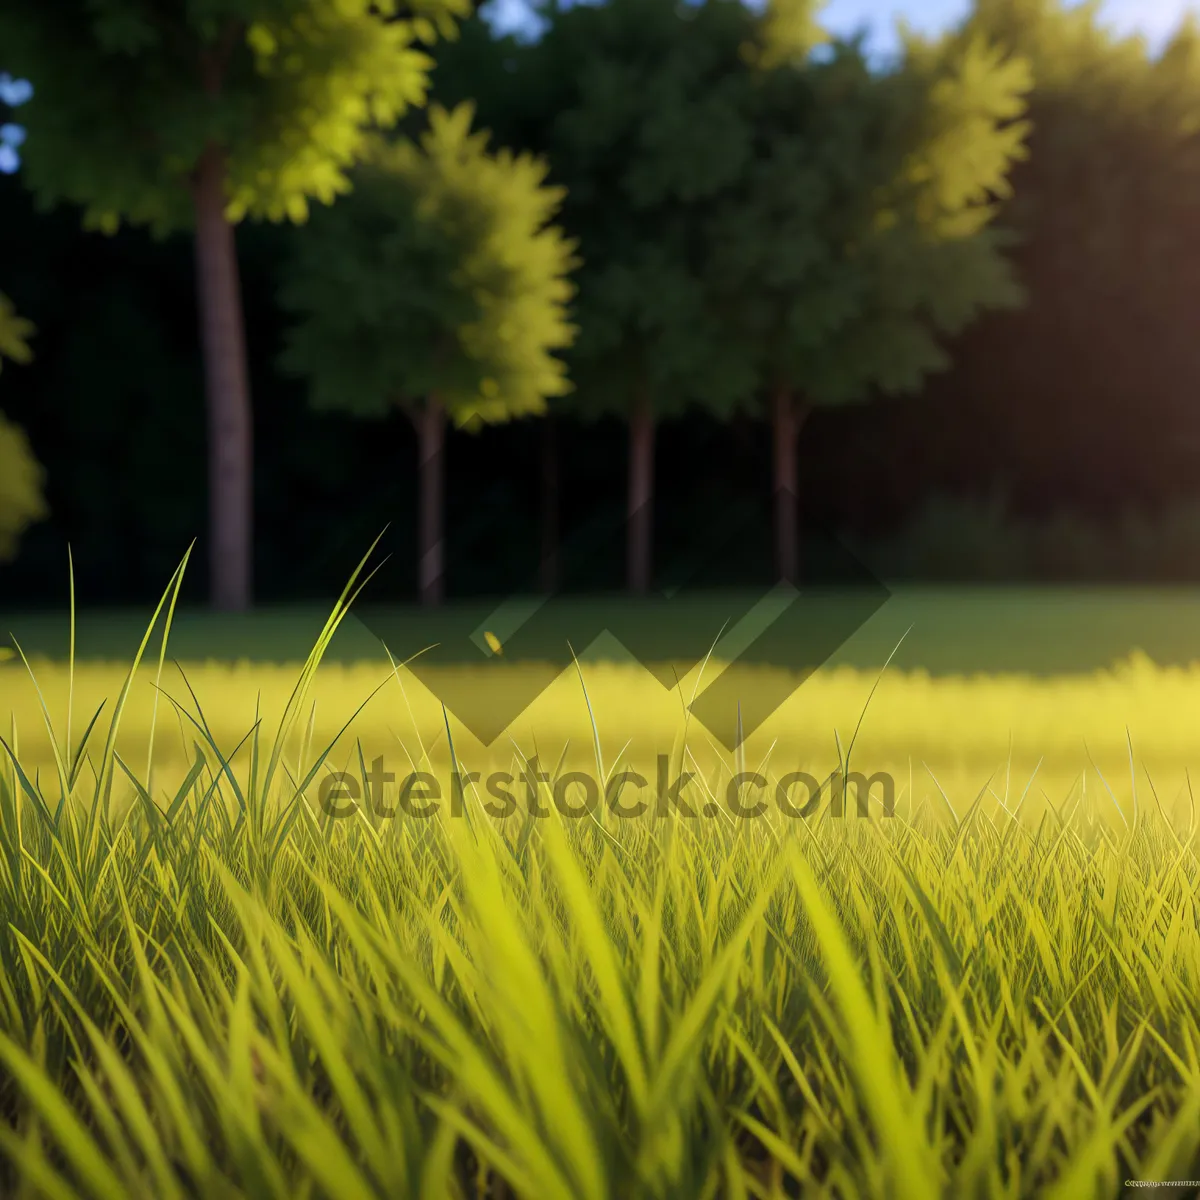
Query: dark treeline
1084	400
115	413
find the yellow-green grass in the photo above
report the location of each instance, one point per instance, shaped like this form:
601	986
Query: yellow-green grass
213	990
1109	732
981	680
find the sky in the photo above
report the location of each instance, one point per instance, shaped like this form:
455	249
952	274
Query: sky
1155	19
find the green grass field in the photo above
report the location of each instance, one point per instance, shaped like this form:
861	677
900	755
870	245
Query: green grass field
211	987
1043	631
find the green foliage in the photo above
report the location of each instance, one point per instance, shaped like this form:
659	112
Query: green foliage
15	333
1071	49
788	34
638	105
21	484
1114	149
21	477
954	539
859	237
129	93
748	215
440	274
1088	394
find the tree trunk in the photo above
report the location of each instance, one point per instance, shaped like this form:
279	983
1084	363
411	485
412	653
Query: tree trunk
227	390
640	510
431	441
549	565
787	417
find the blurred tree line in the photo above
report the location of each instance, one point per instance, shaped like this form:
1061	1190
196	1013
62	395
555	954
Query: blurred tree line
1079	398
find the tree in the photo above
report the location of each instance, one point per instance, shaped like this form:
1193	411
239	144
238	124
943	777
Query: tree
21	500
199	115
858	238
439	286
1103	358
636	104
756	222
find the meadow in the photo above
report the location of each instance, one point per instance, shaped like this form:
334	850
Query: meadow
211	987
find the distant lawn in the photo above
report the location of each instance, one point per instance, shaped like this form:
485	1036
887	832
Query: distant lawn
991	688
1043	631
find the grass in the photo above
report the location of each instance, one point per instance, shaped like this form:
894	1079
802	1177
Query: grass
210	988
1042	631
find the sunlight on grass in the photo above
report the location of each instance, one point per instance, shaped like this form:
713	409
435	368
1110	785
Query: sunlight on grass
210	987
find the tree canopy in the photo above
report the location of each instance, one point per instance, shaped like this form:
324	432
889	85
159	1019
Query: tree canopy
754	218
860	234
201	114
130	92
441	274
441	287
21	477
635	104
1100	367
727	213
728	238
